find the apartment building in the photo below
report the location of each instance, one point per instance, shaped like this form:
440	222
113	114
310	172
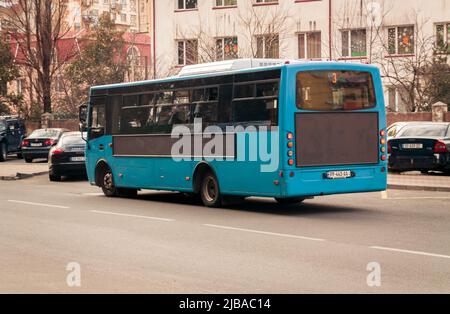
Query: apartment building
388	33
129	15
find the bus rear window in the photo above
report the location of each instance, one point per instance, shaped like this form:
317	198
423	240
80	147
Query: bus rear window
335	90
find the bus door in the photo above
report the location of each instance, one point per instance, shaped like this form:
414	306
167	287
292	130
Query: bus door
96	131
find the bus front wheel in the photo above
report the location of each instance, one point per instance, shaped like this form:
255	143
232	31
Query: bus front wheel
107	184
210	192
289	200
110	190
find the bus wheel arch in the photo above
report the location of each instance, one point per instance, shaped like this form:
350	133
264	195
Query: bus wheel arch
206	184
200	171
100	169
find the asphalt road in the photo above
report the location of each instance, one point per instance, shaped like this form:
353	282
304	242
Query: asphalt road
164	243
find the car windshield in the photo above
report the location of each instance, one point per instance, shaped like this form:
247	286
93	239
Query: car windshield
73	139
2	125
44	133
424	130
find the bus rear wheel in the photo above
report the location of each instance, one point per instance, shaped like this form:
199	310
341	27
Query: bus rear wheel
210	192
289	200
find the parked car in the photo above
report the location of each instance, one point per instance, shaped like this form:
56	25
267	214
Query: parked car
421	146
38	144
12	132
67	157
394	129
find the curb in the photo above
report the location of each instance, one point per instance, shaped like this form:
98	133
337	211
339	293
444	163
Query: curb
22	176
419	188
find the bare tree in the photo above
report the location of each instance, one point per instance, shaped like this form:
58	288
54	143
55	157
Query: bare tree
40	25
263	33
408	54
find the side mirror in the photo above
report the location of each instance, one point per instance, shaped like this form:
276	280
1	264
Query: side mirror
82	127
83	113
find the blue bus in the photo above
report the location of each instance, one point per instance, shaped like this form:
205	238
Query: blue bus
282	129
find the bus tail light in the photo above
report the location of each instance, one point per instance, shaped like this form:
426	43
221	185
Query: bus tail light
290	136
383	141
291	162
440	147
382	133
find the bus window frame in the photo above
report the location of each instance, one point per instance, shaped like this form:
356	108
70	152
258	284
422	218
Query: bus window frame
374	105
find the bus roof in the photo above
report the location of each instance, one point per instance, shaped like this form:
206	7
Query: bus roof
235	67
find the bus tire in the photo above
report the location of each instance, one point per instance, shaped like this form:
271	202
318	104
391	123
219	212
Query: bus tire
289	200
210	191
107	183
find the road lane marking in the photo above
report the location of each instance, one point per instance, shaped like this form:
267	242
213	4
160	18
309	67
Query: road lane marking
132	216
265	232
38	204
409	252
420	198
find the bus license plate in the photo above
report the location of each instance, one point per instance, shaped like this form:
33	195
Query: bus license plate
78	159
338	174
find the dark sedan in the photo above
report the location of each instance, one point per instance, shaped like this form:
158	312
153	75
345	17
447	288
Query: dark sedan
421	147
67	157
38	144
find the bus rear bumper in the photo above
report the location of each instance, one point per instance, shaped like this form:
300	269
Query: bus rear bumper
313	182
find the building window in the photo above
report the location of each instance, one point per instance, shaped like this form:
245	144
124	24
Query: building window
443	38
225	3
186	4
133	56
354	43
187	52
123	17
310	45
133	20
227	48
401	40
20	86
267	46
266	1
59	84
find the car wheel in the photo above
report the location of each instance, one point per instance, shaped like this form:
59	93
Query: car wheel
3	152
289	200
54	177
210	191
107	184
28	160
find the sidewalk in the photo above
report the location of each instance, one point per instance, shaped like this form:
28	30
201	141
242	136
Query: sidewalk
420	182
14	169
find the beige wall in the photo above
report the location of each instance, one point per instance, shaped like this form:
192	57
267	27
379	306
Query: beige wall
172	25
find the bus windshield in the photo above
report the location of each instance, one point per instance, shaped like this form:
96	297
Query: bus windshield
335	90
